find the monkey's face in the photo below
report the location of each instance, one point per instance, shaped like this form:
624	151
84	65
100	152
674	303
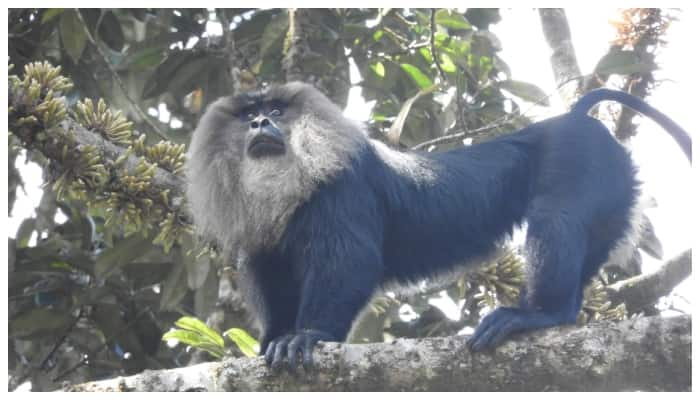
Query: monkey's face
264	136
256	156
269	137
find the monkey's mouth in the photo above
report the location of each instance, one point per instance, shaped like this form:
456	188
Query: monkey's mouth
265	145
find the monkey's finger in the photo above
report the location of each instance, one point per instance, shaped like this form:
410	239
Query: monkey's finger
494	330
270	352
293	350
505	329
280	352
480	340
482	330
308	353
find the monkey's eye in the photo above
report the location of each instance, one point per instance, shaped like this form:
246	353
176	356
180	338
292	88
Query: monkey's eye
251	115
275	112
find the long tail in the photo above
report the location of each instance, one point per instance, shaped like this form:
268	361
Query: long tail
596	96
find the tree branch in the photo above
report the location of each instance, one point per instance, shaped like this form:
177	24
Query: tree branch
640	354
644	290
162	179
555	28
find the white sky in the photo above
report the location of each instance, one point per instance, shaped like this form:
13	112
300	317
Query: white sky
663	167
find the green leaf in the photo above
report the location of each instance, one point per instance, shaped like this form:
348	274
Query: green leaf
427	55
423	18
378	68
622	62
161	77
189	73
446	63
50	14
143	274
418	76
441	39
121	254
459	50
38	322
397	127
199	327
195	340
451	19
111	31
526	91
246	343
184	336
24	232
377	35
146	58
211	349
72	35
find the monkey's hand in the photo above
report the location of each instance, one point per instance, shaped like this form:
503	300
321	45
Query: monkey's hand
505	321
293	346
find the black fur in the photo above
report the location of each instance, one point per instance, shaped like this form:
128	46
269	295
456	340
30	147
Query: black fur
387	217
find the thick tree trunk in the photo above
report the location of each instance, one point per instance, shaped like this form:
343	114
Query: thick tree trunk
639	354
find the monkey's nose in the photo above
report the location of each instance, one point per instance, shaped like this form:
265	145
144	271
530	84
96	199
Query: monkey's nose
259	122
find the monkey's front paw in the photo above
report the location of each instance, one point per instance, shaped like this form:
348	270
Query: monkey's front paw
294	346
493	329
504	321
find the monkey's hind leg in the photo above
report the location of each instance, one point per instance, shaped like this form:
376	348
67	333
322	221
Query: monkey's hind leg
556	247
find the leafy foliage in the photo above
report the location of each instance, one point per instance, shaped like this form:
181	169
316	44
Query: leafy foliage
197	334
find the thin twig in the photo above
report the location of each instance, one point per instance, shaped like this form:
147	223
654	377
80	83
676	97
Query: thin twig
498	123
461	135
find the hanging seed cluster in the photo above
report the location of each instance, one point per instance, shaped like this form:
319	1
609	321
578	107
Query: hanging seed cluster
500	283
40	90
128	202
499	280
111	125
83	170
40	107
166	155
122	191
598	307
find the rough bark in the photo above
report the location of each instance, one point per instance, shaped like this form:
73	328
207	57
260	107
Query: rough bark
640	354
645	290
567	73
